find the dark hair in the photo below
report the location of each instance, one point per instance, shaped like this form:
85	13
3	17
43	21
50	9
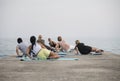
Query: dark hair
59	38
32	40
49	39
19	40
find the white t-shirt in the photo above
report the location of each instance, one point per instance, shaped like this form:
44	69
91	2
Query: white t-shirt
36	48
22	47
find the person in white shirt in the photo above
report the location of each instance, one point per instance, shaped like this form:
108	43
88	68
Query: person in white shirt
37	49
21	46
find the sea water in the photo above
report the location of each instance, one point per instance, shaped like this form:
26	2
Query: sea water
8	45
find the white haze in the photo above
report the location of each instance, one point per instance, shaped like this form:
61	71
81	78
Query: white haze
68	18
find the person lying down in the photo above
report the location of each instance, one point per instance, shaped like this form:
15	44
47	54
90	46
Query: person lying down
84	49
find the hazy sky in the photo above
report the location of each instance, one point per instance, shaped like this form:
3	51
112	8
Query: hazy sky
68	18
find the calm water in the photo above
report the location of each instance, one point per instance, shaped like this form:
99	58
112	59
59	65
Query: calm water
7	46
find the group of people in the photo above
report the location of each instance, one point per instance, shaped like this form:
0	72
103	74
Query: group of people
39	49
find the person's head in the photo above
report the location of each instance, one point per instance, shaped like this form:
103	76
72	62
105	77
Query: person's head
33	40
59	38
19	40
77	41
49	39
40	37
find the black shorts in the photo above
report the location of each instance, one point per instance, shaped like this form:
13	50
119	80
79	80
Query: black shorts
86	50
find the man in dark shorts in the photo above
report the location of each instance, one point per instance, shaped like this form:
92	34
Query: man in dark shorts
83	49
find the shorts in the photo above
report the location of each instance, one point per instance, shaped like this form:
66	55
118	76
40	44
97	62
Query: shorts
43	54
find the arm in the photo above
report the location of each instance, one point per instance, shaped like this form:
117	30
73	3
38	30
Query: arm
42	46
54	42
57	47
76	50
17	50
28	52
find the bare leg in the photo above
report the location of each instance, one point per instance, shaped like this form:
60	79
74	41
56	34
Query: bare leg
54	55
96	50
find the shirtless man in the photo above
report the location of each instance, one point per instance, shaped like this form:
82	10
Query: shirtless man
62	45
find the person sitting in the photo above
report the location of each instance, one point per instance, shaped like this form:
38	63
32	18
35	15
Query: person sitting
21	46
39	50
42	41
83	49
52	43
62	45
